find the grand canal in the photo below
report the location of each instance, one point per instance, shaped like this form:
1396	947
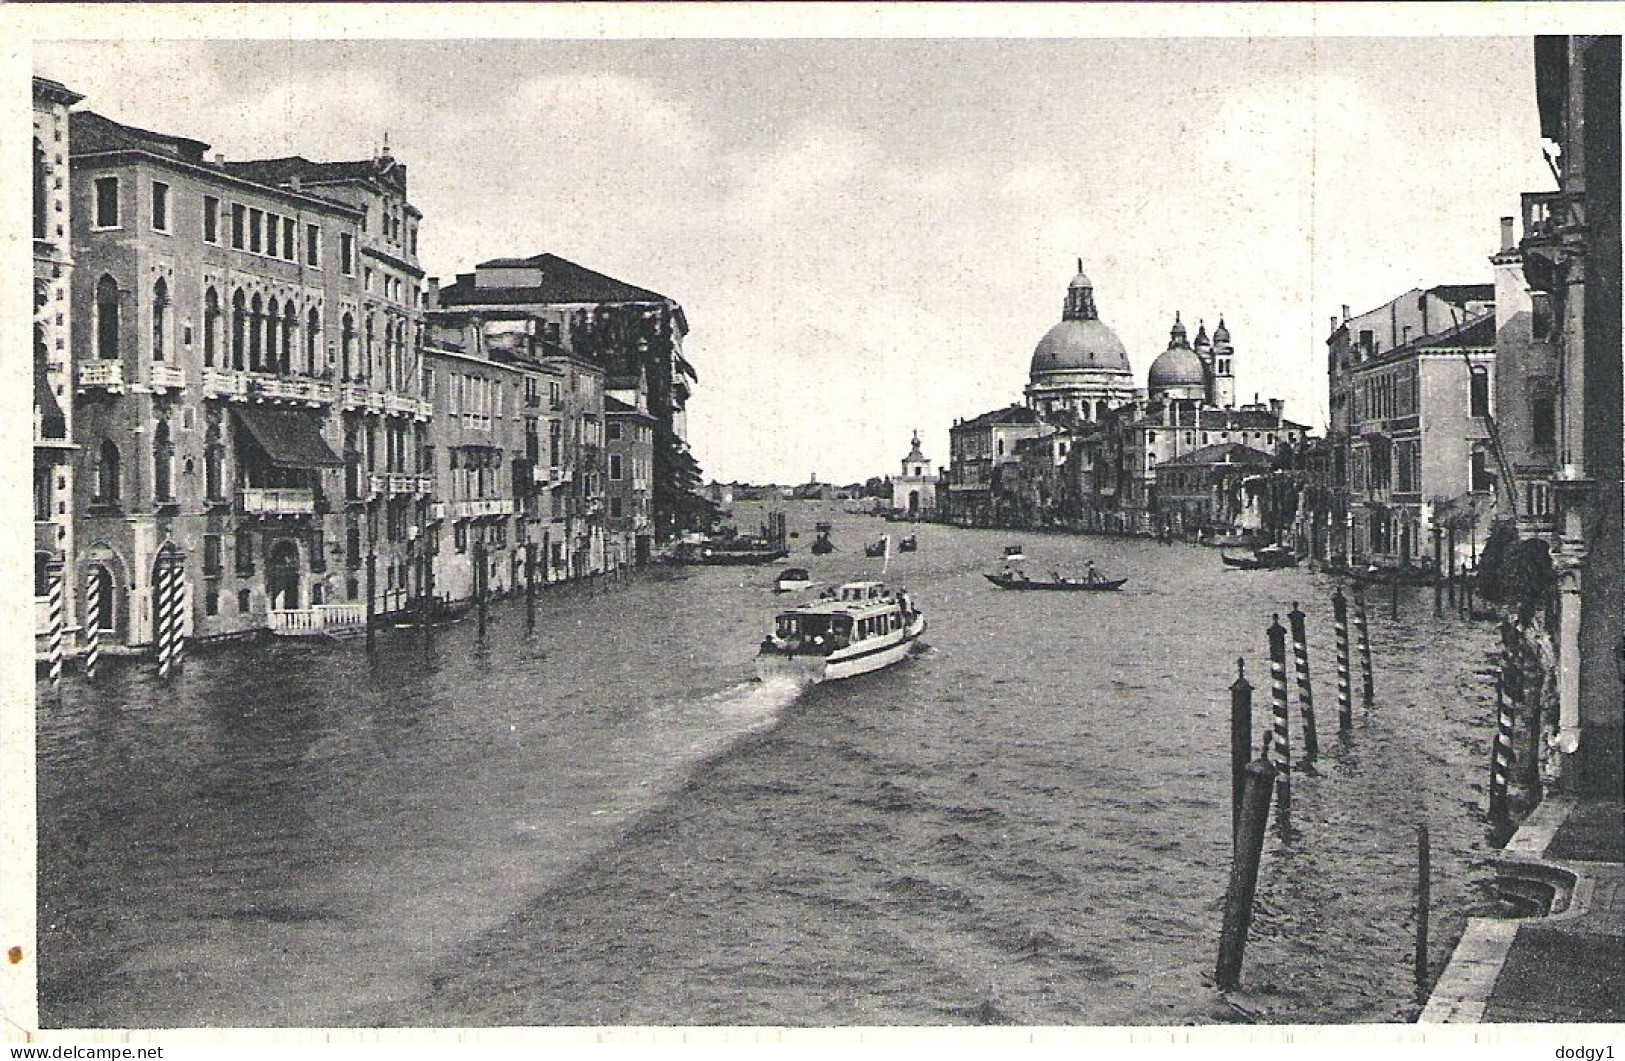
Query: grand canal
610	822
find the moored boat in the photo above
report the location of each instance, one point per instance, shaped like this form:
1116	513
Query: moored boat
1016	580
729	552
908	544
822	546
793	580
1014	554
875	548
851	629
1266	558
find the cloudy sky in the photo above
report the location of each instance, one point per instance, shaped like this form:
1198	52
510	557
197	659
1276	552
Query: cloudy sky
869	236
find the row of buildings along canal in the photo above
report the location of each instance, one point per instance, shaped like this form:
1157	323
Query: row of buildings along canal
1473	426
241	365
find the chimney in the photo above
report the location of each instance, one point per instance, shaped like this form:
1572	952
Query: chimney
293	182
1345	311
1506	234
1334	322
219	158
432	299
1277	407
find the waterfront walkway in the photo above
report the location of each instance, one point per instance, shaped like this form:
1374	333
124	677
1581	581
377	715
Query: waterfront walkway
1562	968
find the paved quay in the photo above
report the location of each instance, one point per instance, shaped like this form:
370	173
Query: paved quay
1561	968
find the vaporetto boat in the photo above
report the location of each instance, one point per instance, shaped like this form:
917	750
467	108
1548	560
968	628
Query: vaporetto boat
851	629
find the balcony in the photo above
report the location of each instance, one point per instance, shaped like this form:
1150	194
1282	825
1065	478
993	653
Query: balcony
316	621
104	375
425	485
360	397
224	383
377	483
299	389
166	377
476	508
276	501
403	484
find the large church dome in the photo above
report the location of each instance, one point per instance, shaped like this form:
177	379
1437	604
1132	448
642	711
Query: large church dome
1081	341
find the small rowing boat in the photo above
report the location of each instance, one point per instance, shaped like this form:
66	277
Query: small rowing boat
1019	581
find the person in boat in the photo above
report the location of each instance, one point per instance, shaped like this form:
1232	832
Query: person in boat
1090	573
1057	578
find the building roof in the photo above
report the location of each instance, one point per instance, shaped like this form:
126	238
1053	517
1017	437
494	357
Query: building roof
1479	331
90	132
55	91
1011	414
1461	294
283	171
289	438
561	280
616	407
1246	420
1222	453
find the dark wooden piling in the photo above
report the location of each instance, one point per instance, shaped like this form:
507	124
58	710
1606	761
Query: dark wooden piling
372	589
1424	887
1280	749
1241	736
1238	903
479	585
530	587
1450	567
1438	580
1306	693
1393	595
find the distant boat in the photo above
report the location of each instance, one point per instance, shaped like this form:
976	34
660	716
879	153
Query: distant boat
1013	553
435	611
1016	581
793	580
1266	558
823	546
733	551
875	548
857	628
908	545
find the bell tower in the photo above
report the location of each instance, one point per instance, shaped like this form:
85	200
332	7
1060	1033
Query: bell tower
1223	392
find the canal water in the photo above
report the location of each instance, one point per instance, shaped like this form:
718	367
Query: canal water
611	822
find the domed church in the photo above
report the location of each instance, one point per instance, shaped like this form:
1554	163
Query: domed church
1080	367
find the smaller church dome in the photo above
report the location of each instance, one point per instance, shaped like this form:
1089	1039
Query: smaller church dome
1177	366
1221	334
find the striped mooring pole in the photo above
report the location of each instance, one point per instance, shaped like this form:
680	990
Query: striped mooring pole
1306	693
93	626
160	619
1280	750
58	623
177	610
1340	625
1500	755
1364	634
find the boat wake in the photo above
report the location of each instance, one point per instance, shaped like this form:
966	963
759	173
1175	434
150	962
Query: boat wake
759	702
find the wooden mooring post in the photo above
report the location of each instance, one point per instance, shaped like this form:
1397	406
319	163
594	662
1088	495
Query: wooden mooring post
1424	887
530	587
1438	580
1241	736
1340	626
372	595
1306	693
1280	749
479	585
1259	780
1500	757
1363	632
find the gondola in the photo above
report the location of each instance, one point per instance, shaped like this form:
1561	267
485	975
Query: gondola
822	546
1265	559
908	545
875	548
1010	581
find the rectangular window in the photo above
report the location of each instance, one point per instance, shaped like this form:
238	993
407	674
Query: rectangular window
1543	419
614	508
615	467
254	230
459	537
160	206
238	224
313	246
1479	393
347	254
211	554
107	202
211	219
1368	344
244	560
211	599
615	432
289	237
273	229
1480	472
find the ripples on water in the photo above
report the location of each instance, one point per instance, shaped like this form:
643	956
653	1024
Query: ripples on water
610	822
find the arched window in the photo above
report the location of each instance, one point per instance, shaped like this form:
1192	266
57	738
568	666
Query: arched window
105	484
273	317
163	460
160	318
211	327
347	347
239	329
256	318
42	574
290	328
313	342
41	193
107	322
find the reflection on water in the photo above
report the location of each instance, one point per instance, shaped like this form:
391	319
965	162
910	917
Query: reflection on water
609	822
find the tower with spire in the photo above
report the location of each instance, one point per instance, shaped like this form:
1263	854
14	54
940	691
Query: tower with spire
1222	392
915	491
